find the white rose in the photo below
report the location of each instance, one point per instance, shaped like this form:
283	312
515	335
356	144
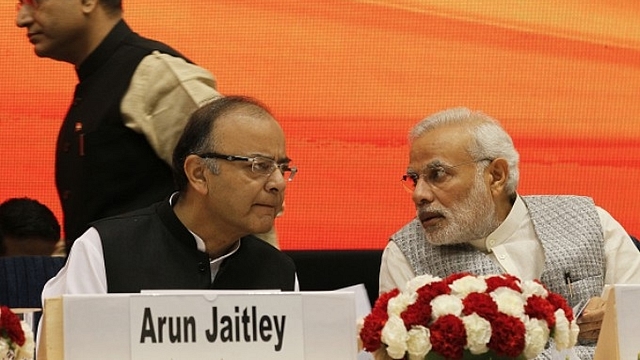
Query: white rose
536	337
509	301
478	333
399	303
419	343
573	333
419	281
446	305
530	288
562	331
468	284
394	335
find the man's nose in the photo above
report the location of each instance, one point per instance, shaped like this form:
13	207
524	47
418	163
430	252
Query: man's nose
24	16
423	193
276	181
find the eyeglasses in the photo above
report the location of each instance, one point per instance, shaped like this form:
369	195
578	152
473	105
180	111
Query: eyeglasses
259	165
33	4
436	175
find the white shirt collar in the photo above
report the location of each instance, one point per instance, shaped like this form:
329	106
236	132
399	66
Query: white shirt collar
200	243
505	230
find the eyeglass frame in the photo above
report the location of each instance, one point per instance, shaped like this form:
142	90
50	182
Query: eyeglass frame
415	177
283	167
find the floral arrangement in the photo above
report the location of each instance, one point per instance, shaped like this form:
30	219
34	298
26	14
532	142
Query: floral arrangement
16	337
467	317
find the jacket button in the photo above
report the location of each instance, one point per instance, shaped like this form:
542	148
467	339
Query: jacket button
77	101
202	267
66	194
66	146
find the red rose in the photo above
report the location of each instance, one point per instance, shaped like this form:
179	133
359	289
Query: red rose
434	289
10	326
507	335
448	337
540	308
371	332
559	302
481	304
380	306
505	280
383	299
418	313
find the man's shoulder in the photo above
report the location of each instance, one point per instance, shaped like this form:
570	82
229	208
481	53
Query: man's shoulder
563	197
557	200
133	215
145	46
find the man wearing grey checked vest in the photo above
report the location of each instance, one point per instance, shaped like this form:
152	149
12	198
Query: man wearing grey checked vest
463	175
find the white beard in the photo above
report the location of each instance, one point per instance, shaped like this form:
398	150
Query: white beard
472	218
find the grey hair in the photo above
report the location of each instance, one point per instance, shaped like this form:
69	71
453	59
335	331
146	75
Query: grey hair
491	140
212	165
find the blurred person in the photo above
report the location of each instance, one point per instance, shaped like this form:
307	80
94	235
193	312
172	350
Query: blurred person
231	169
28	227
463	175
134	95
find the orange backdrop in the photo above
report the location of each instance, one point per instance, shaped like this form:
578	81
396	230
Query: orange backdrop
348	78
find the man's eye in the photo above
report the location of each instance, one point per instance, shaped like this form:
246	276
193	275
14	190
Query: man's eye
263	166
437	174
284	168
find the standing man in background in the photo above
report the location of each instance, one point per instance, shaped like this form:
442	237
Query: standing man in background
132	101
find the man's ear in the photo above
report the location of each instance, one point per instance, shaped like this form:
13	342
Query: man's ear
89	5
498	171
196	171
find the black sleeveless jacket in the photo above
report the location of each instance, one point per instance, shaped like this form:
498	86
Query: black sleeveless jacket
104	168
151	249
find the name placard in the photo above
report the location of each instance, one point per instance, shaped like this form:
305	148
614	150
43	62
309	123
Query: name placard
260	326
201	324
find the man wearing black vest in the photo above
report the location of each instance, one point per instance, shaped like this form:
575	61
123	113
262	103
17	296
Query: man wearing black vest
114	147
231	168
